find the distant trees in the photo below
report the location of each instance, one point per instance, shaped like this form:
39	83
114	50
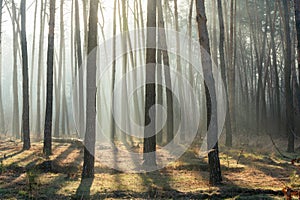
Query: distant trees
90	133
49	101
25	116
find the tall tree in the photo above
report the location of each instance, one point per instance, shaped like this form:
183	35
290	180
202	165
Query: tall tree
149	136
61	62
90	133
287	79
25	117
40	68
16	112
79	63
49	101
165	58
223	70
2	121
213	155
231	77
297	19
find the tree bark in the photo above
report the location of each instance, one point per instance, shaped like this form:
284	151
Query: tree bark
49	100
166	63
2	121
213	155
16	120
223	71
90	134
149	140
40	68
287	80
25	117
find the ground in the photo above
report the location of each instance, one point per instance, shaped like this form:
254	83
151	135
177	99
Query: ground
254	170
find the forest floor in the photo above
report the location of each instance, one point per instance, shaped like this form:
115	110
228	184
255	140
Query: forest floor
253	170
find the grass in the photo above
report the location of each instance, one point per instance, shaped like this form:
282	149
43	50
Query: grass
246	175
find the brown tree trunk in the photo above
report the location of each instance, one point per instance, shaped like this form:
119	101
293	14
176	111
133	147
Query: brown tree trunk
16	120
49	101
2	121
223	71
90	134
213	155
149	136
40	68
297	19
25	116
287	80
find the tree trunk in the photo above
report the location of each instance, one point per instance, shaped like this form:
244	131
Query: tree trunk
113	124
90	134
149	136
25	116
276	76
40	68
166	63
231	77
223	71
16	120
49	100
213	155
2	121
33	63
287	80
297	19
59	86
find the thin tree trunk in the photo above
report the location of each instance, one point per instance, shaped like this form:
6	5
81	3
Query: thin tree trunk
16	120
49	101
61	66
223	71
90	134
149	136
274	57
33	63
287	80
165	55
2	121
231	75
213	155
297	19
25	116
40	68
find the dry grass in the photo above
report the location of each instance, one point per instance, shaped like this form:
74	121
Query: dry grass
249	172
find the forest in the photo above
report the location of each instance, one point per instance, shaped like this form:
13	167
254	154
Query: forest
149	99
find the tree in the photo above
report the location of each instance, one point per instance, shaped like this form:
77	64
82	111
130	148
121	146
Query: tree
2	121
213	155
90	133
149	136
49	101
25	117
223	70
287	79
297	19
166	62
16	120
40	67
